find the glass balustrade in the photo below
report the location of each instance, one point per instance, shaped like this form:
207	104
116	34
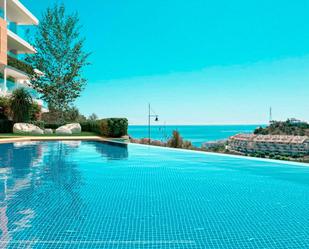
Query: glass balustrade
20	30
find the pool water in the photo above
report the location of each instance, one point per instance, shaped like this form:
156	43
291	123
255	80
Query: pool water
74	194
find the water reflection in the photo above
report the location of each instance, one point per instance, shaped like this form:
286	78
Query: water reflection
16	175
111	150
40	180
41	172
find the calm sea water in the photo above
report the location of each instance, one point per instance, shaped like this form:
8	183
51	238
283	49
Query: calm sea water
197	134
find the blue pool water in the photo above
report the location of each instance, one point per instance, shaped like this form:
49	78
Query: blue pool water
106	195
197	134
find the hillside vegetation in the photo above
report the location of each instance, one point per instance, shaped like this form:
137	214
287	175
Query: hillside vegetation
284	128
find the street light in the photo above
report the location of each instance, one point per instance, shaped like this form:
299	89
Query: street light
149	117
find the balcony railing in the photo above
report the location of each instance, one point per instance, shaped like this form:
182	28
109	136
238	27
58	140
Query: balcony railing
20	30
19	64
11	86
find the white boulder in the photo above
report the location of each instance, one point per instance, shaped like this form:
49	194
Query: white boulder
25	128
48	131
74	128
63	131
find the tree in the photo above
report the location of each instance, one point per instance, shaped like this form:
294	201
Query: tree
60	58
93	117
72	114
21	105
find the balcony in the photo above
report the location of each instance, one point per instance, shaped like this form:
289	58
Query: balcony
20	65
18	13
11	86
18	44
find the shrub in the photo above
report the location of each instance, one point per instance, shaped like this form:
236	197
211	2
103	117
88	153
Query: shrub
109	127
186	145
35	112
6	126
117	127
113	127
51	117
175	141
90	126
21	104
38	123
4	107
22	66
52	126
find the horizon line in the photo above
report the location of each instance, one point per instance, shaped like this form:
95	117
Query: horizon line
207	124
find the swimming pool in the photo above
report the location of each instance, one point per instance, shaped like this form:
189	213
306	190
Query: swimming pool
73	194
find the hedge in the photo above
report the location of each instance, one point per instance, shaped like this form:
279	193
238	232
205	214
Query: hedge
114	127
6	126
109	127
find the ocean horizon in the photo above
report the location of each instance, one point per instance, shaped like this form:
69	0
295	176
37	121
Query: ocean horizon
197	134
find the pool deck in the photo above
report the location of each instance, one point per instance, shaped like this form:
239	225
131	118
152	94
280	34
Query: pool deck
51	138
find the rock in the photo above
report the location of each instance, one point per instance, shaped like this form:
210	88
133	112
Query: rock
125	137
48	131
63	131
73	128
25	128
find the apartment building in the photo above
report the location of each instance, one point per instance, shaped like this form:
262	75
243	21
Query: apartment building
277	144
15	20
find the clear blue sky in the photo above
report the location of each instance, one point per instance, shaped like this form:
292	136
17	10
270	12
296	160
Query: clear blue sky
197	61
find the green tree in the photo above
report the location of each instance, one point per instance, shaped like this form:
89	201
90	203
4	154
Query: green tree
93	117
72	114
21	105
60	57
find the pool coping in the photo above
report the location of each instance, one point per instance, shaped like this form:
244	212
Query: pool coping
227	155
107	139
53	138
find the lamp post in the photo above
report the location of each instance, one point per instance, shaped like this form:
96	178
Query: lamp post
149	117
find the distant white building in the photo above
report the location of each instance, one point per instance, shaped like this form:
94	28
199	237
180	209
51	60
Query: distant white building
277	144
295	121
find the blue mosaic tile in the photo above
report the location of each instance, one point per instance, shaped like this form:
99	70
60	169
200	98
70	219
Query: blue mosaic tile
106	195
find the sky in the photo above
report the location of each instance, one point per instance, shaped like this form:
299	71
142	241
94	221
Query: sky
196	62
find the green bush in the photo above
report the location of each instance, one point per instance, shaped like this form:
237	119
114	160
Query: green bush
175	141
90	126
6	126
52	126
21	105
20	65
109	127
38	123
116	127
5	107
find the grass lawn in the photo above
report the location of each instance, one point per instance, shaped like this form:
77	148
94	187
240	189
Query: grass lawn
11	135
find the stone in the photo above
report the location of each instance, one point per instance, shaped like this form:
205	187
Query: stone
63	131
48	131
74	128
25	128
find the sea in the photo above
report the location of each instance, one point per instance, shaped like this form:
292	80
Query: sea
197	134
